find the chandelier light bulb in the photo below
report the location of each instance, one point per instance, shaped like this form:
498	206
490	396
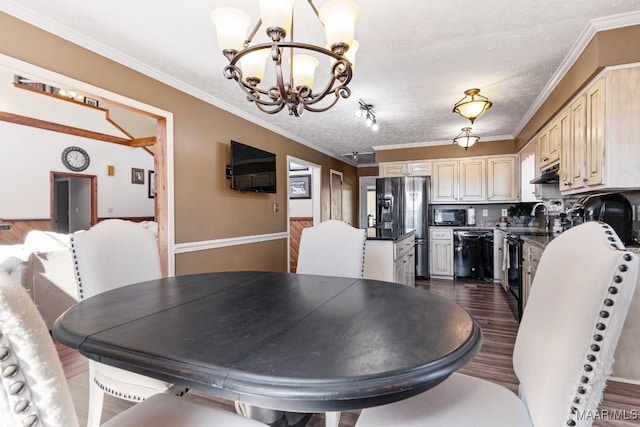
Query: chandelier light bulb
358	113
369	121
375	126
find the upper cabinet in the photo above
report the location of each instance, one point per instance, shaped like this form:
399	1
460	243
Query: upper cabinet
548	145
405	169
475	180
444	181
502	179
598	135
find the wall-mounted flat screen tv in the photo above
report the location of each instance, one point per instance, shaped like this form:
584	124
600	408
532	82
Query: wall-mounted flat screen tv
252	169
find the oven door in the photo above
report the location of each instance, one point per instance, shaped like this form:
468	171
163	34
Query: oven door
515	276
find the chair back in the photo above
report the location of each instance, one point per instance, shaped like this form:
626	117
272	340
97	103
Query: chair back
34	390
332	248
112	254
577	306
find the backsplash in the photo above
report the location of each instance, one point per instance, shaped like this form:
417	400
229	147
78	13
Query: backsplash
494	211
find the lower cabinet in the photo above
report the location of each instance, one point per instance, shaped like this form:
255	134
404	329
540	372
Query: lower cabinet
500	251
391	261
441	252
531	255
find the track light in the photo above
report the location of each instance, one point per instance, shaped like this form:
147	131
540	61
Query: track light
366	110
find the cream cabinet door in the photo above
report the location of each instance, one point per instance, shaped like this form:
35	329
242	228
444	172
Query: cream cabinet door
578	142
565	150
472	183
502	179
441	258
445	181
595	126
394	169
419	168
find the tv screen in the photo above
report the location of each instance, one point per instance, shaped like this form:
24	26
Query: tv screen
252	169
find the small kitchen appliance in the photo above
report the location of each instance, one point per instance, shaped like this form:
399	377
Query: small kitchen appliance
471	216
449	217
611	208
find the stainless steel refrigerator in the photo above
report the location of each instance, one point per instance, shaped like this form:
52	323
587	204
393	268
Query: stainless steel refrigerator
402	205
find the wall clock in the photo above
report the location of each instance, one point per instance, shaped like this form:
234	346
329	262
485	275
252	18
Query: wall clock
75	159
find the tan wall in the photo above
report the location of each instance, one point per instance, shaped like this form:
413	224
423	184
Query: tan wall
446	151
263	256
205	207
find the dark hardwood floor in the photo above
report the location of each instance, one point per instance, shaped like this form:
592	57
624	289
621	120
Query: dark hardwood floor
486	301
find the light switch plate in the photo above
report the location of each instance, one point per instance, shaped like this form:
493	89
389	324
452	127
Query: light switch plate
504	212
485	212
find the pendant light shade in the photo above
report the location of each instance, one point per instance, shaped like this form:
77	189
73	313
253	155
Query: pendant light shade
231	27
465	139
473	105
338	18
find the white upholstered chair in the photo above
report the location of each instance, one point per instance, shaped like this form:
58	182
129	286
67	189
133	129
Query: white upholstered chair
563	352
112	254
34	391
332	248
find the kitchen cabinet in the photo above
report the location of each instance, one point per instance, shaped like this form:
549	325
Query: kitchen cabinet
421	168
502	179
500	274
444	181
531	254
472	185
475	180
391	260
441	252
601	150
548	145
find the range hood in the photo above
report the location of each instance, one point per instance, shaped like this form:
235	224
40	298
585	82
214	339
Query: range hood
549	175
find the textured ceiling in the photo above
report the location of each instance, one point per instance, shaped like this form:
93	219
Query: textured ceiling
416	58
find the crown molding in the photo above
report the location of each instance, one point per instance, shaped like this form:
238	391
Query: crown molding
18	11
593	27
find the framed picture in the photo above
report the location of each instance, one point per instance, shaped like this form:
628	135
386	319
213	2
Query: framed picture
91	101
300	187
137	176
152	184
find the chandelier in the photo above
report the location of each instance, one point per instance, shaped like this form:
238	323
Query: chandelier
465	139
293	85
473	105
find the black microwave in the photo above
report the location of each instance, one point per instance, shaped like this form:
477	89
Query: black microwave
453	217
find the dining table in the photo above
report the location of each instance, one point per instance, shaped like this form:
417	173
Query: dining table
283	341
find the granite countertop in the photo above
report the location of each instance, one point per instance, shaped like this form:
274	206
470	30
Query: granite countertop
393	235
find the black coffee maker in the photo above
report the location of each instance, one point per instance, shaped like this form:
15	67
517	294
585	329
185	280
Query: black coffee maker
611	208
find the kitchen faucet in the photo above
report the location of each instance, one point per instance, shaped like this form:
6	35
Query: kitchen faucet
546	213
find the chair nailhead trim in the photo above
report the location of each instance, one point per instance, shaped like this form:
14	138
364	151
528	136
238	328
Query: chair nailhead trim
15	385
598	336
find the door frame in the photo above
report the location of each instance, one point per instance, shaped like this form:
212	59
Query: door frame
93	185
316	187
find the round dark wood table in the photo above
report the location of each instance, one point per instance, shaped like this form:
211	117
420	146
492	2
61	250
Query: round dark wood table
284	341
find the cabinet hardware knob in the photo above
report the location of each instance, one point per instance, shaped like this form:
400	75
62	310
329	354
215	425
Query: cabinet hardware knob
584	180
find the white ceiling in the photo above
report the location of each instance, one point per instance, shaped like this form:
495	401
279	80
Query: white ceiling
415	60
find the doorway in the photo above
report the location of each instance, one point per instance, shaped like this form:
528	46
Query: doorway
303	210
73	202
